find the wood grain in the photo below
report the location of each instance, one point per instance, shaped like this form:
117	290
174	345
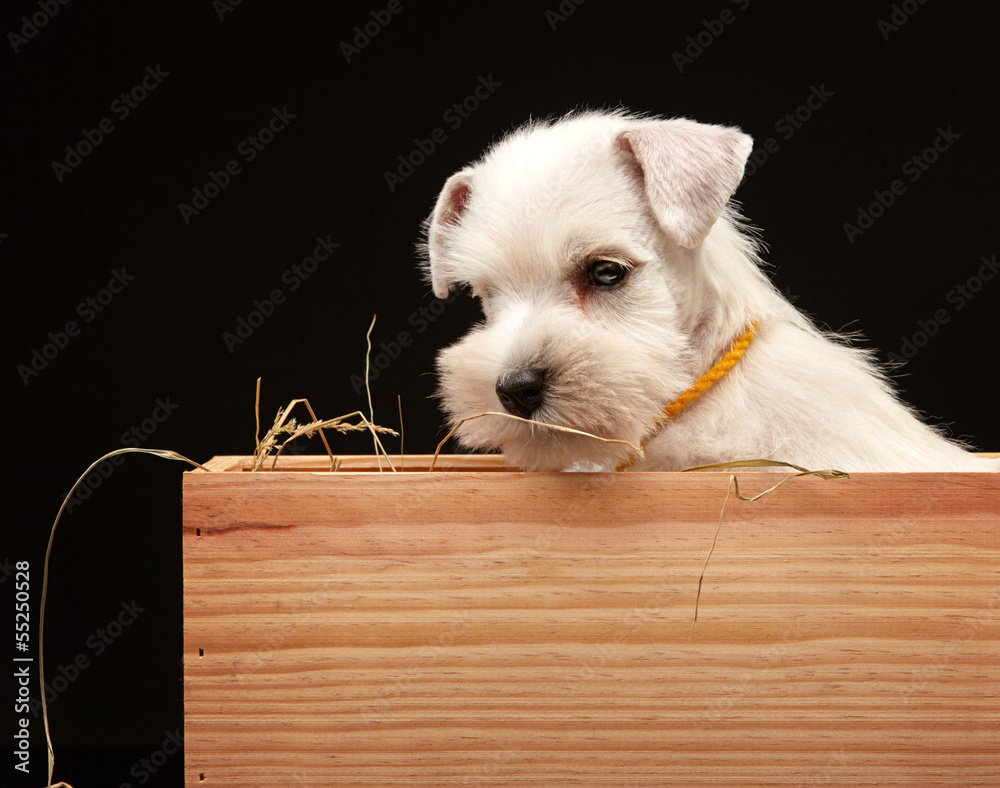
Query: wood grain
481	627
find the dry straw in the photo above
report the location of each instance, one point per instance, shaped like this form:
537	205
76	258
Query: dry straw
165	454
734	486
283	425
533	423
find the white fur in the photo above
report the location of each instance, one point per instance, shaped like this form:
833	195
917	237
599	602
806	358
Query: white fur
519	227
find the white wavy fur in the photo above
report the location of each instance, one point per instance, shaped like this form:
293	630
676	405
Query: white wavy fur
520	226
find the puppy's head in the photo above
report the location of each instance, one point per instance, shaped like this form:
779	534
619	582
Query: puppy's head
579	238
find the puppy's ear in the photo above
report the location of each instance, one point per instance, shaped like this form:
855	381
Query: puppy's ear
451	204
690	171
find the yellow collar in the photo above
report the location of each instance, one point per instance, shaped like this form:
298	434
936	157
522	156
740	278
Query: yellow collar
726	363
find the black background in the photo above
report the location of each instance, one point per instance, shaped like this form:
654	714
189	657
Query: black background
227	68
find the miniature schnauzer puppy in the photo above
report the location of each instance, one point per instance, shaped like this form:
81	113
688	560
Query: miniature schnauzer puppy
623	297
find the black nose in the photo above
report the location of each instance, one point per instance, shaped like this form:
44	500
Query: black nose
522	392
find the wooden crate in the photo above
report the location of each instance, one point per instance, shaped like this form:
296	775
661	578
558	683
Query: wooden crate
477	626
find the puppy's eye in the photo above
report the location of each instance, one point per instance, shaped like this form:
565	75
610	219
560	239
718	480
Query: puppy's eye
606	273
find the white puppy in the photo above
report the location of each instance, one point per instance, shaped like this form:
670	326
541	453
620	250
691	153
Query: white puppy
614	275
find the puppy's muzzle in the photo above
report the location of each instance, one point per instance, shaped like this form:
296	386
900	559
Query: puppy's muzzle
522	392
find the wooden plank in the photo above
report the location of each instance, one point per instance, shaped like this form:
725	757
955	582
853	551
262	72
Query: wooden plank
366	463
475	627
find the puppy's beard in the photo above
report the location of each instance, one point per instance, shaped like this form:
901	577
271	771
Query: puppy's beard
539	448
534	446
595	383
